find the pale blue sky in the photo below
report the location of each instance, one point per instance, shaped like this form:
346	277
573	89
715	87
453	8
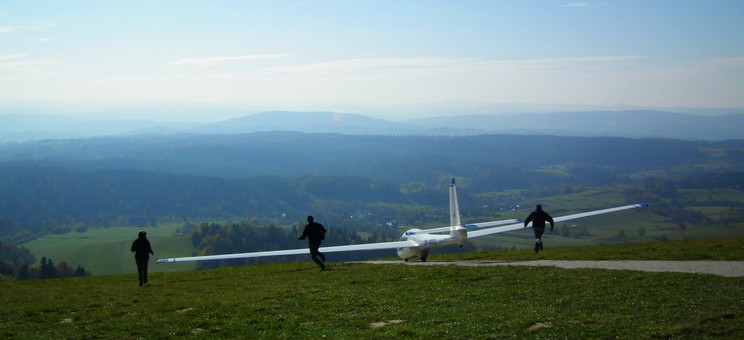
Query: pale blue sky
337	53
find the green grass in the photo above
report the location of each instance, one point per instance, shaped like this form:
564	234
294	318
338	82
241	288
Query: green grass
695	250
296	300
702	195
106	251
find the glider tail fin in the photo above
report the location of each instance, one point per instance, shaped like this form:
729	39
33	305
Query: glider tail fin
456	228
454	207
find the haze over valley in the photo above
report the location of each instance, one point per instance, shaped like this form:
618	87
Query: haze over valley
219	126
634	124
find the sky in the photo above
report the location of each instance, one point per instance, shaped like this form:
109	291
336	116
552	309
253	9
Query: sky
336	55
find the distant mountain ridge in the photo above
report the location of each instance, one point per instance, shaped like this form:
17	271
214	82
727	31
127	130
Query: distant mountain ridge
323	122
632	124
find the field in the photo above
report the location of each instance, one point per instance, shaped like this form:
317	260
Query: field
296	300
633	226
105	251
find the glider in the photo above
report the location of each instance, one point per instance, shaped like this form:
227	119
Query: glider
416	242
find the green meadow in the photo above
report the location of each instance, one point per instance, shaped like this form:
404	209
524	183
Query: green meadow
630	226
106	251
350	301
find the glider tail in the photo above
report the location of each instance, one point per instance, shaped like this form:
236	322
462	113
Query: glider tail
456	228
454	208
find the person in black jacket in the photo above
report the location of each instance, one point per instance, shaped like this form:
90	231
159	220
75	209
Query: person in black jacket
142	250
538	219
315	233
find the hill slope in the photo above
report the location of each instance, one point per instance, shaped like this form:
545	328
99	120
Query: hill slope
634	124
284	301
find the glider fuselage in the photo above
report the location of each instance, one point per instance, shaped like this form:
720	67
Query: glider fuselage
415	242
425	241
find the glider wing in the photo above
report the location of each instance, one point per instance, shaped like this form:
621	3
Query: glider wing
471	226
301	251
517	226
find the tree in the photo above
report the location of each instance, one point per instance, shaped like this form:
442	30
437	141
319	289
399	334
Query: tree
7	269
81	228
80	272
23	272
63	270
47	269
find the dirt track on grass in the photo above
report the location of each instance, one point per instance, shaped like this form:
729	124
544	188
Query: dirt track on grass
721	268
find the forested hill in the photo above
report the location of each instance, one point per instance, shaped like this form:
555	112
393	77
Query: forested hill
115	181
713	125
636	123
392	159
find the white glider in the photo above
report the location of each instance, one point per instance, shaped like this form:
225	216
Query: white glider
416	242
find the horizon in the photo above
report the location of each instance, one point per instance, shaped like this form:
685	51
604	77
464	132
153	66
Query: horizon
389	60
182	112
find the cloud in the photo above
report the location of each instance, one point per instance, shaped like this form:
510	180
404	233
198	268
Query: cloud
366	65
27	28
223	60
434	65
735	63
628	79
38	27
18	63
11	56
572	60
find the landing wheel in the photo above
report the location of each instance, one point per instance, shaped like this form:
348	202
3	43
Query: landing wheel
423	259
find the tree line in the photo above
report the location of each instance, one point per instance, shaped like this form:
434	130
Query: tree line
664	195
380	223
247	236
15	263
59	185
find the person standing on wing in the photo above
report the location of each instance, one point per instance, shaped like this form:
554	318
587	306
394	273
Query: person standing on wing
538	219
315	233
142	250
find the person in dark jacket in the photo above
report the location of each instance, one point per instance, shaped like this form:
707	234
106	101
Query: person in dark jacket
142	250
315	233
538	219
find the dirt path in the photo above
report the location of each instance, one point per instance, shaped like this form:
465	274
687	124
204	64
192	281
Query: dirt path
722	268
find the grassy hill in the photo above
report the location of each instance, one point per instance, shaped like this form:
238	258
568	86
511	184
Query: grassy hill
105	251
296	300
